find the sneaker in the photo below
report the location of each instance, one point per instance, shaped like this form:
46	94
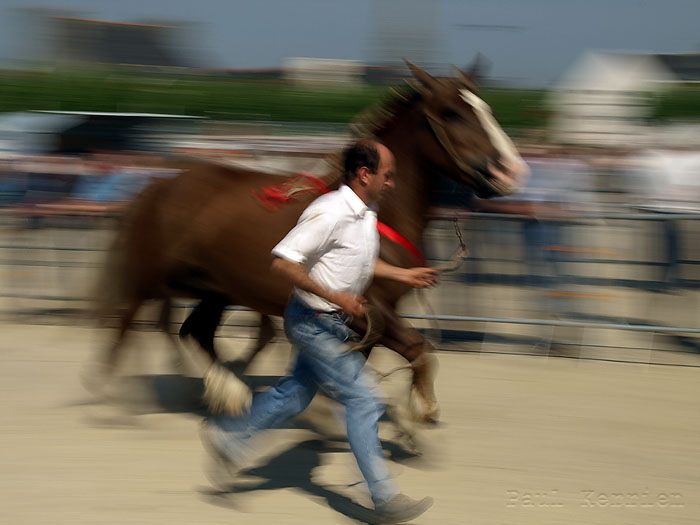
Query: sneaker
401	509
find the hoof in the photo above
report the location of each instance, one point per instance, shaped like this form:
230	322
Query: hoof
422	410
224	393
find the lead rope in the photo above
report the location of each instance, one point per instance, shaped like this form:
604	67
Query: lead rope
458	256
454	262
382	376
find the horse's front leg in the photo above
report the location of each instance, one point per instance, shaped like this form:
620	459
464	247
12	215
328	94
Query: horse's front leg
419	353
424	404
407	342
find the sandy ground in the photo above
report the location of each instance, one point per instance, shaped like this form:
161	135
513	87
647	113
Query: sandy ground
523	440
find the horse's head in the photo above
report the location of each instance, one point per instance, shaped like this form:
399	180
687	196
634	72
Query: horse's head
462	139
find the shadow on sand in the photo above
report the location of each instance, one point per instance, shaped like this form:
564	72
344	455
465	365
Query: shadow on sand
293	468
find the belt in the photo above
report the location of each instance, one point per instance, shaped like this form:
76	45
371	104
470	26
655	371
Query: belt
329	312
336	313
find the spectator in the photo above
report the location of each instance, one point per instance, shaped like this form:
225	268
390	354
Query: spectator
668	182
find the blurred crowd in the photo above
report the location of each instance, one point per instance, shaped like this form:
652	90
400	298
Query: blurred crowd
564	186
101	182
567	186
562	180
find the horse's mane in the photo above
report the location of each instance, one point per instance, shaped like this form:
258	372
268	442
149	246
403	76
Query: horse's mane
370	122
367	125
377	117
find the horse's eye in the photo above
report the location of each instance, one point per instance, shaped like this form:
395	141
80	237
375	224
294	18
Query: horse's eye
450	115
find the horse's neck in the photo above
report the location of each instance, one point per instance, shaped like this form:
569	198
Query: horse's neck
405	208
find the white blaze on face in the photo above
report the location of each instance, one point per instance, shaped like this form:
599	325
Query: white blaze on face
509	157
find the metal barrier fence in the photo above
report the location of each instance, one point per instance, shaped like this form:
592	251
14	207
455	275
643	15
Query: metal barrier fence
527	283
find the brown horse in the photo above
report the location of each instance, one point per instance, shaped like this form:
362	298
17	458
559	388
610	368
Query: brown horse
205	233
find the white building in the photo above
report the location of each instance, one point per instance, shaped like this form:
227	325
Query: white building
307	70
603	99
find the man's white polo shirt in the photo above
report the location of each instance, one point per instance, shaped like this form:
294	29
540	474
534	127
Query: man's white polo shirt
337	242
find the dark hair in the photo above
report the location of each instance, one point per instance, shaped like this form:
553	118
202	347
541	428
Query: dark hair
364	152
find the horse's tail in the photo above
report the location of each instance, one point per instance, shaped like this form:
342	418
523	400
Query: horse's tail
115	287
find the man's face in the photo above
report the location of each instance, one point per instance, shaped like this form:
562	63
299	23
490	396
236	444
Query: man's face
383	180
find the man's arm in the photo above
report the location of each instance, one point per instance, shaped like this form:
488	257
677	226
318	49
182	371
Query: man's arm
296	274
415	277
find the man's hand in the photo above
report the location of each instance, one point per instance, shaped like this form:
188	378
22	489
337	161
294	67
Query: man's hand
420	277
349	303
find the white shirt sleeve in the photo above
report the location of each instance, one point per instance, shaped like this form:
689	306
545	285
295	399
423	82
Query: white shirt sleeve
309	238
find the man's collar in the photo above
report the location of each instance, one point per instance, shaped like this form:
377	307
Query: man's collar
356	204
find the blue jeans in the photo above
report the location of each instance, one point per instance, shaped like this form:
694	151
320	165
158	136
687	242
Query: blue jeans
324	361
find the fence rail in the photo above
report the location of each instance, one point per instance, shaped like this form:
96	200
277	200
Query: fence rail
608	274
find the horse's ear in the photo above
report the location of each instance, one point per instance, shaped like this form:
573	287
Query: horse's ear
421	76
464	77
477	70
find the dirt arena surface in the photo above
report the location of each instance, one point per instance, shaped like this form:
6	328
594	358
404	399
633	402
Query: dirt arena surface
523	440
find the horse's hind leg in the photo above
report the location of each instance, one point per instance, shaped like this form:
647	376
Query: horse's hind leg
164	316
164	323
114	351
97	375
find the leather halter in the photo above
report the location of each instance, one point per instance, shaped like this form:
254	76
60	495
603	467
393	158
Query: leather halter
441	135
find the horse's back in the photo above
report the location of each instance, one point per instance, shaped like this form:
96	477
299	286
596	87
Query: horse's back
209	222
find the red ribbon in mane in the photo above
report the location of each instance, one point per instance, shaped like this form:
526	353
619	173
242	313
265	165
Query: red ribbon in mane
273	197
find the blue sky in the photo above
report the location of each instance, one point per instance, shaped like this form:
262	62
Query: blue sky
549	34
